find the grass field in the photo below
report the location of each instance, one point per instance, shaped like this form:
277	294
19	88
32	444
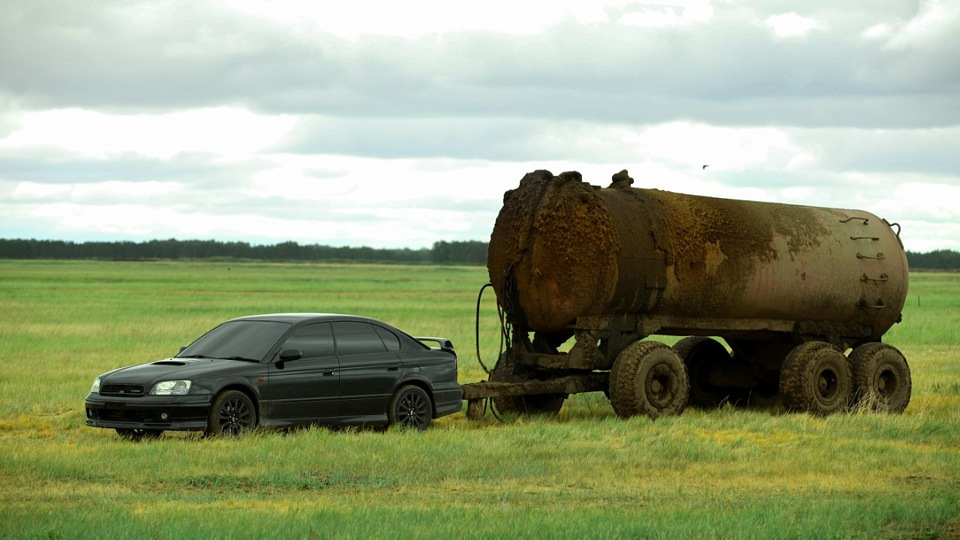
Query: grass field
726	473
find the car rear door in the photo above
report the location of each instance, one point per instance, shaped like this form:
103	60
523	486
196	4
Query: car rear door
368	370
306	388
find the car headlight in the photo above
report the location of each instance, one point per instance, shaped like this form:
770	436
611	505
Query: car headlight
95	389
170	388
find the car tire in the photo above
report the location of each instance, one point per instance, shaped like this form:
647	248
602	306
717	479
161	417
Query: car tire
410	407
232	413
139	434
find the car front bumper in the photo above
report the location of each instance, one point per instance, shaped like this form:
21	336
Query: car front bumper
186	413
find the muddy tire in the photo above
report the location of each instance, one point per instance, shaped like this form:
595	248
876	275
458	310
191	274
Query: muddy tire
700	354
535	404
232	413
648	378
411	407
816	378
881	378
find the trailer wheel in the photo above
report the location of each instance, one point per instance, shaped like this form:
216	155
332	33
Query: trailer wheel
700	355
545	404
816	378
648	378
881	378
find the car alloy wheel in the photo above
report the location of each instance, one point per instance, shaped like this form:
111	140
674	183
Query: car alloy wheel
411	407
232	413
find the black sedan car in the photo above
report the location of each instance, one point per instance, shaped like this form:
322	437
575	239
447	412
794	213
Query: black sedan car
282	370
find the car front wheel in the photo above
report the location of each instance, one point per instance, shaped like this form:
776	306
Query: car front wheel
232	413
411	407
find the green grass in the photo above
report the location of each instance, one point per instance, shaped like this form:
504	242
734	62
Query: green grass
708	474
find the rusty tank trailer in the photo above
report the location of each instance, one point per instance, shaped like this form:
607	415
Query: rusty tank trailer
789	288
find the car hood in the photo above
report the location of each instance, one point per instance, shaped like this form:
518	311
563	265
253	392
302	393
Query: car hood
174	368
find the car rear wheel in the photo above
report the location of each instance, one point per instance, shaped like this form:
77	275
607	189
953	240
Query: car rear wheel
232	413
139	434
411	407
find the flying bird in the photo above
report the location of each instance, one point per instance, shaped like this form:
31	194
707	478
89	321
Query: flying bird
704	167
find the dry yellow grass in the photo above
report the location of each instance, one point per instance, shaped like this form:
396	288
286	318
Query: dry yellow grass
719	473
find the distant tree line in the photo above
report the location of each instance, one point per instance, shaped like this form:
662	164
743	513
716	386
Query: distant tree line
941	259
470	252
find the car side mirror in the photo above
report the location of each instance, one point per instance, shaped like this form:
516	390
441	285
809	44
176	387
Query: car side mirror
288	355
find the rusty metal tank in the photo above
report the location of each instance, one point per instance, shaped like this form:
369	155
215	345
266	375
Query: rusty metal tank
562	249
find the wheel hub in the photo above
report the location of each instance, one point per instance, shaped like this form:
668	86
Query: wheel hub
827	384
658	387
887	383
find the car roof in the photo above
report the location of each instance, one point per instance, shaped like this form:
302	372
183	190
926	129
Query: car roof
295	318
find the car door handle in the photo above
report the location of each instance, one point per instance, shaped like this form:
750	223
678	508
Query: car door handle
393	368
329	373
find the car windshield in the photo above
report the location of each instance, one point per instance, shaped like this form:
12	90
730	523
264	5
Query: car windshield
238	340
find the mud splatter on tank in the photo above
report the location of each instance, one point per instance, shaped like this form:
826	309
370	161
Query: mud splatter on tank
562	249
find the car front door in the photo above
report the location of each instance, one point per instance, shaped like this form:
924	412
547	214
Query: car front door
368	370
306	388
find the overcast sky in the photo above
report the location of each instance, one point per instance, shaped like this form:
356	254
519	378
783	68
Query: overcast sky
398	124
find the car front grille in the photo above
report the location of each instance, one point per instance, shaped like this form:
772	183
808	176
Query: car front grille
126	390
122	415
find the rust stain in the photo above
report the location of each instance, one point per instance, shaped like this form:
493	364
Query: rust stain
562	248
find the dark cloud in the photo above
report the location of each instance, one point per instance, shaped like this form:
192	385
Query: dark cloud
867	99
734	71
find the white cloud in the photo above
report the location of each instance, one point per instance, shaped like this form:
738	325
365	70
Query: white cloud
934	20
789	25
922	236
381	183
665	13
398	124
694	145
876	31
418	18
224	131
94	192
935	200
384	227
33	191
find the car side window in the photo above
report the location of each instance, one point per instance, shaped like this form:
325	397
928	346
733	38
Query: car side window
390	339
314	340
357	338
